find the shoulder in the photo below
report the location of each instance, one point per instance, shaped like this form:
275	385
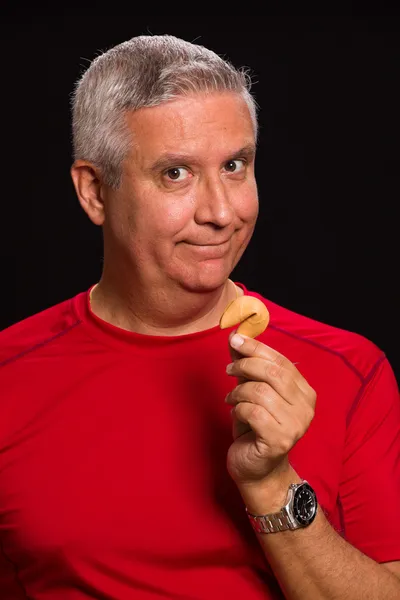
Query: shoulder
325	342
38	330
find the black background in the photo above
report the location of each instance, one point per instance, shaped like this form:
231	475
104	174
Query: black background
327	240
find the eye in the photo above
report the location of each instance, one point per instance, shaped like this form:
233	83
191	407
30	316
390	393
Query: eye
233	166
177	173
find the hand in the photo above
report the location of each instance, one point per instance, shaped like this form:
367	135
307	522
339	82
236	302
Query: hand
273	408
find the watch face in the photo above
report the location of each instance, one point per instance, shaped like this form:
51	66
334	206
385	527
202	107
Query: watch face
304	504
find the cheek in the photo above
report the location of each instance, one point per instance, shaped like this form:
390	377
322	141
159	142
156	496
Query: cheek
180	211
149	213
167	215
248	206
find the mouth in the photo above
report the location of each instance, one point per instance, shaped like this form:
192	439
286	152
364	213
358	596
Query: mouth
210	244
212	250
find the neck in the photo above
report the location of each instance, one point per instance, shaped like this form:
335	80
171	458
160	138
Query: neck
160	312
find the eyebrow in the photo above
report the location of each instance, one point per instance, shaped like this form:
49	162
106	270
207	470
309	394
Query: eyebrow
166	160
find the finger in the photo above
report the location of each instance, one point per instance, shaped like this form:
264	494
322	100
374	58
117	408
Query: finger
268	432
264	395
247	346
272	440
277	375
293	420
238	428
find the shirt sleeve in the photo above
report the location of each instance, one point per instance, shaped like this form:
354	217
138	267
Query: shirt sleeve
370	484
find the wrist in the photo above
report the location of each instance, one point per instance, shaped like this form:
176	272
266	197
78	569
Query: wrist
269	495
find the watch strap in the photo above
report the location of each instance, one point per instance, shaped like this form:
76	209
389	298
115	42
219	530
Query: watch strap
272	522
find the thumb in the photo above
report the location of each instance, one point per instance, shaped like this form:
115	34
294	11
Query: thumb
235	354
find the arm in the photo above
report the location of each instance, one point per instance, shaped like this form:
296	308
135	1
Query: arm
315	562
272	410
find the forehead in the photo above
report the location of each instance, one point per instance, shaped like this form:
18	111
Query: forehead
199	124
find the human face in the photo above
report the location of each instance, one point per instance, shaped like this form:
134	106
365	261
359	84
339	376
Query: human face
187	204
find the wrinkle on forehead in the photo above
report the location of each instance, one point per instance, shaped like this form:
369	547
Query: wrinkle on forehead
197	124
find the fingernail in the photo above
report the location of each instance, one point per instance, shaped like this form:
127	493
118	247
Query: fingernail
236	341
229	368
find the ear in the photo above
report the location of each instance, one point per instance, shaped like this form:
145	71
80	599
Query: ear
88	187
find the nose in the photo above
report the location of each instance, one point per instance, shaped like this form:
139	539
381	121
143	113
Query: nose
214	203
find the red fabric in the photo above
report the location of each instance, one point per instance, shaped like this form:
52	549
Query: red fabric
113	445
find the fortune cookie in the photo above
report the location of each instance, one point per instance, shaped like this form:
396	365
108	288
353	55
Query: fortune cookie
250	312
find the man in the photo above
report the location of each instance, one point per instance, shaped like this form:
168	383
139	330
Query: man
123	473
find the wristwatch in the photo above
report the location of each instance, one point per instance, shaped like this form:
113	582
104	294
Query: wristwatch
299	511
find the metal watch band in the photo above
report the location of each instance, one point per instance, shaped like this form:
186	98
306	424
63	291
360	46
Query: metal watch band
271	523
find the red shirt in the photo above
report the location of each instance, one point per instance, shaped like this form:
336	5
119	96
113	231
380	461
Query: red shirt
113	480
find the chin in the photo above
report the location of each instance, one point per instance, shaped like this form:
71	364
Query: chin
205	278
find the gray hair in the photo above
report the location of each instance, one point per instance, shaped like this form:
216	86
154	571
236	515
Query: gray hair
144	71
